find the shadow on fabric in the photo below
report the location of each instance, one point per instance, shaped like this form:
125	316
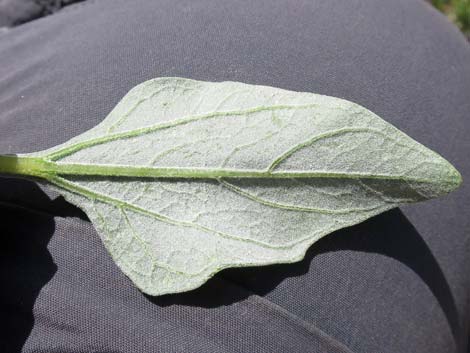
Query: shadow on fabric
26	265
389	234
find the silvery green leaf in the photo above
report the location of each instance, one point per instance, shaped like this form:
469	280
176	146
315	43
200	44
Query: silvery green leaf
185	178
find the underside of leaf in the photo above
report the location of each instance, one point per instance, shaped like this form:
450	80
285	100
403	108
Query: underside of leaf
185	178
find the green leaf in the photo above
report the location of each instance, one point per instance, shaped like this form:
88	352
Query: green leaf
185	178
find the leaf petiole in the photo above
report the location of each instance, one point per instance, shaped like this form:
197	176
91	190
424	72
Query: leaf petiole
25	166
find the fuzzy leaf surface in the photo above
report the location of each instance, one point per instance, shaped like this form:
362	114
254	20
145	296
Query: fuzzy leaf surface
185	178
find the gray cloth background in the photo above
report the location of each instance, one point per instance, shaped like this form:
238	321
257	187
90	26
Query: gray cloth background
16	12
399	282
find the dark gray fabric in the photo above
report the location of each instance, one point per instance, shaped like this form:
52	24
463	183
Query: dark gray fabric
396	283
15	12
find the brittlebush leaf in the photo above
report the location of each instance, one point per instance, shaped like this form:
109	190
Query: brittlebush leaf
185	178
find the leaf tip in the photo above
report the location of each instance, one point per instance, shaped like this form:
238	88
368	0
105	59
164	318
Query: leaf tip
450	180
456	178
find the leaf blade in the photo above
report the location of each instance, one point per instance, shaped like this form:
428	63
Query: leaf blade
185	178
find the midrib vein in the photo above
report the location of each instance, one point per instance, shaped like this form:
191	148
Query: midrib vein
79	169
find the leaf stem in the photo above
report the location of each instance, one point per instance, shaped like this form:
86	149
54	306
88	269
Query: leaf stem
27	166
